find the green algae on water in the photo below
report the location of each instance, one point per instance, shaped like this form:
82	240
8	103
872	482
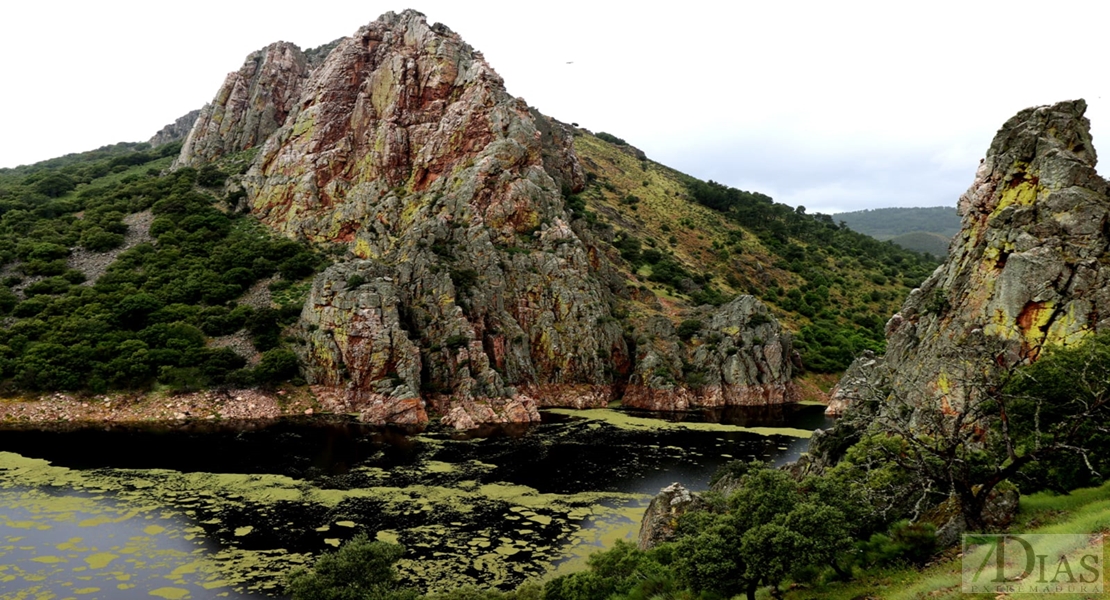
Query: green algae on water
554	531
623	420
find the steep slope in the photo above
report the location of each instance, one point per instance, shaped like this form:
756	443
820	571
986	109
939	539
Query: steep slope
1027	270
463	279
406	149
476	270
251	104
682	243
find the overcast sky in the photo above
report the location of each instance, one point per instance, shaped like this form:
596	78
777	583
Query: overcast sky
832	105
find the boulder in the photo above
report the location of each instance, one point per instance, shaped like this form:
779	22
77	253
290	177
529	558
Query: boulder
661	518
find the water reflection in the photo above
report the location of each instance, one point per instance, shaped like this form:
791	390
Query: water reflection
493	507
59	543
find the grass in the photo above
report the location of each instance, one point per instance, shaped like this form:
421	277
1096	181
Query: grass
1084	511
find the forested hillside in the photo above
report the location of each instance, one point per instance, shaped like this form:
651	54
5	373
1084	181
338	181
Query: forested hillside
120	275
886	223
692	242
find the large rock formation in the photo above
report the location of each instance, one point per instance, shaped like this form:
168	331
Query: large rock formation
462	286
251	104
1027	271
742	357
178	130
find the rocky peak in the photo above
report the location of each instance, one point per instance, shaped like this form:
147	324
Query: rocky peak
251	104
740	356
660	520
400	104
462	287
178	130
1028	269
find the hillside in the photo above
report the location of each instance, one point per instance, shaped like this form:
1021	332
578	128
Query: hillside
830	285
926	230
315	230
933	244
119	275
886	223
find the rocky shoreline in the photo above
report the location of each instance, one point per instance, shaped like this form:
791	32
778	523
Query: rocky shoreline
159	406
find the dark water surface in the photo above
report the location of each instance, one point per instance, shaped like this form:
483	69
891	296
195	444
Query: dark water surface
220	510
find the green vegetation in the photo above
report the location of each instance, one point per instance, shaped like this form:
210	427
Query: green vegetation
886	223
360	570
695	242
1085	510
925	242
1046	428
149	317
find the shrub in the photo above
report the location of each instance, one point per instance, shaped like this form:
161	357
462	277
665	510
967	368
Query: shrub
96	239
209	176
688	328
355	281
456	341
277	365
612	139
360	570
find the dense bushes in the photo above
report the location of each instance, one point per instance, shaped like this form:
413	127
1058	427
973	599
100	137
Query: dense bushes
770	529
360	570
148	318
612	139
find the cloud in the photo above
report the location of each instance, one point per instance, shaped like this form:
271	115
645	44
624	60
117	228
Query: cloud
851	177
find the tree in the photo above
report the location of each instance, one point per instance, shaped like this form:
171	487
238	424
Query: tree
1049	420
623	571
774	527
360	570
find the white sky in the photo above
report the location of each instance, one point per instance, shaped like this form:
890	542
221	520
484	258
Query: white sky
833	105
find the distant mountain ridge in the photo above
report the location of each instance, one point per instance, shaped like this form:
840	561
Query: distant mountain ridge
922	229
886	223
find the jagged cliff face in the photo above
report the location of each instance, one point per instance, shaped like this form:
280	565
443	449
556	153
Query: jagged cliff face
741	356
178	130
464	288
1027	271
251	104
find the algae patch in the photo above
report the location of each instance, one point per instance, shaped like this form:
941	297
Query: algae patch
623	420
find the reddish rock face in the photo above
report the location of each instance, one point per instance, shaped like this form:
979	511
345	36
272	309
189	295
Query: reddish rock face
405	146
464	288
252	103
400	105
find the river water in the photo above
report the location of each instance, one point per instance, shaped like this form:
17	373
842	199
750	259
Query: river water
223	510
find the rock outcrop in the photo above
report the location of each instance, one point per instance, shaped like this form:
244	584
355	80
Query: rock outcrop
251	104
178	130
742	357
853	385
661	518
356	342
1027	271
462	287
